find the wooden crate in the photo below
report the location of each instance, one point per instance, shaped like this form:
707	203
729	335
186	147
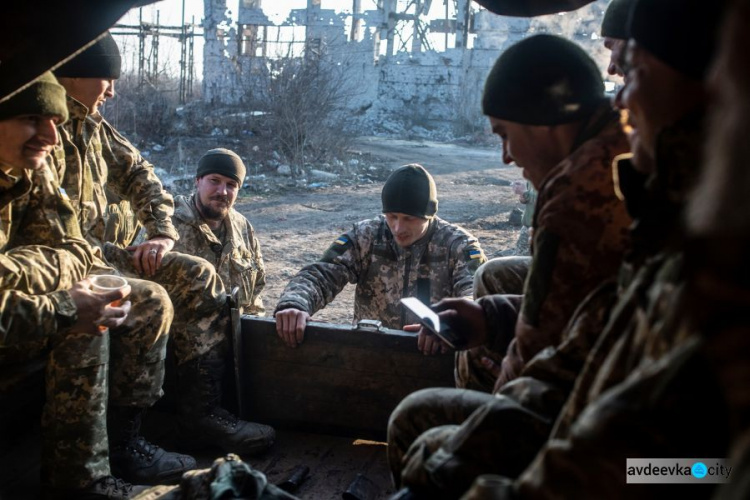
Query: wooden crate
340	380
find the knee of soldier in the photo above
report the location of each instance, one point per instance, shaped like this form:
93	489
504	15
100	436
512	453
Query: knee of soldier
480	278
196	271
500	276
150	299
412	404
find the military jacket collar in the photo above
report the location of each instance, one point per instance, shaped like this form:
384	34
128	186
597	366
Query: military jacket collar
14	183
187	212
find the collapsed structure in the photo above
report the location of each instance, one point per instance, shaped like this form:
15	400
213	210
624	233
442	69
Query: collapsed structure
394	77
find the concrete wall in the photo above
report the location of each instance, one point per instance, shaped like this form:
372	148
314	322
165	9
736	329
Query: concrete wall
409	90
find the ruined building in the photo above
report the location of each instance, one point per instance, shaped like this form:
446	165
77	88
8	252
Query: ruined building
395	78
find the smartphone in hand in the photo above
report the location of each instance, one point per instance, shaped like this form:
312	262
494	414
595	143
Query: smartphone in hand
430	320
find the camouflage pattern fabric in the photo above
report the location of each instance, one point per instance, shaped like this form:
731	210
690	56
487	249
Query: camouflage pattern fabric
503	275
40	262
424	410
75	449
42	255
637	394
238	261
122	225
41	245
578	220
95	159
499	434
441	264
195	290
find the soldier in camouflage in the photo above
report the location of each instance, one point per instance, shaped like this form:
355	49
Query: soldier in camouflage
642	376
211	228
96	161
48	310
578	220
407	252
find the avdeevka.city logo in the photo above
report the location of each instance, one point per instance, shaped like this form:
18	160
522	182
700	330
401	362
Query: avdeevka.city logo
699	470
677	470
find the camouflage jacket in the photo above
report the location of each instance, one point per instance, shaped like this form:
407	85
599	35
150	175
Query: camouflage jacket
441	264
580	236
42	255
94	159
647	372
238	261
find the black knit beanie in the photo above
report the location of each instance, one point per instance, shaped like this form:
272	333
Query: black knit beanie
410	190
615	22
43	97
224	162
543	80
681	33
101	60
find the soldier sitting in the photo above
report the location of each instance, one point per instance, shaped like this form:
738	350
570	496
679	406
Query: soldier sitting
565	146
95	158
630	371
48	310
211	228
407	252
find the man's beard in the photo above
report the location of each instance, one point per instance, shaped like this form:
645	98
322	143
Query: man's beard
210	213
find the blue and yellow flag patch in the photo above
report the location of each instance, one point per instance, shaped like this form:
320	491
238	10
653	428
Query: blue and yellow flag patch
337	248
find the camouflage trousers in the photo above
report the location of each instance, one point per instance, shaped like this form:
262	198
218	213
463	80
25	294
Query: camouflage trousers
503	275
84	374
440	440
197	294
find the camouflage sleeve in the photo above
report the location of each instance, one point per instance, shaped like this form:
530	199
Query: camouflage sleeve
41	269
28	318
256	306
132	178
467	256
572	225
501	312
318	284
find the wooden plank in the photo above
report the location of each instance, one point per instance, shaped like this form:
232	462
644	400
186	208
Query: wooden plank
340	380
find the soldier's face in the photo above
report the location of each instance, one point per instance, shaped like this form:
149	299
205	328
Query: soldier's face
655	96
91	92
617	48
215	195
406	229
535	149
25	141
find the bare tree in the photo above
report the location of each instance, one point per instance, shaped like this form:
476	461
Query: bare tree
305	103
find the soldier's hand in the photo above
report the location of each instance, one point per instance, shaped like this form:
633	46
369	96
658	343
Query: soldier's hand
429	343
147	256
290	325
466	318
96	309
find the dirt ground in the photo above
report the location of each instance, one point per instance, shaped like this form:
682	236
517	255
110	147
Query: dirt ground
295	227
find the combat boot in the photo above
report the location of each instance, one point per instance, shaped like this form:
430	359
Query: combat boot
104	488
203	422
134	459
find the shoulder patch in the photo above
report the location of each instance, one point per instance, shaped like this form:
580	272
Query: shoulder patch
474	255
338	247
